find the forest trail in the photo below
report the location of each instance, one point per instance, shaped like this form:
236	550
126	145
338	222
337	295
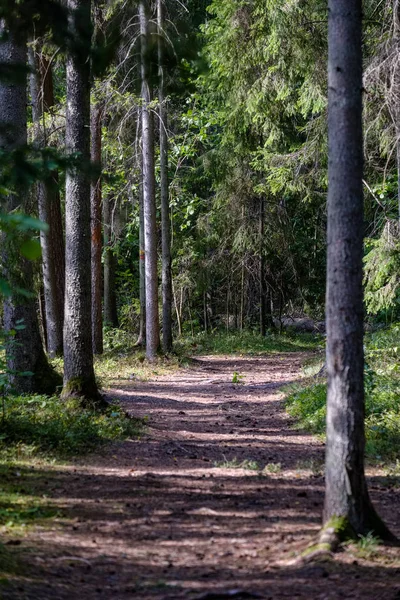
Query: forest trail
173	516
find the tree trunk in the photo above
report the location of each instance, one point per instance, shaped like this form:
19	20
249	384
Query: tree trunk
142	269
164	188
25	352
262	270
242	298
49	205
79	379
96	219
149	202
347	504
110	264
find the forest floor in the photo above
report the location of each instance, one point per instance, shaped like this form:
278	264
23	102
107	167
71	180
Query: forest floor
215	501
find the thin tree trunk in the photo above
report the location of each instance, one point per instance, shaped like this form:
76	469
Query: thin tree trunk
96	219
164	190
178	317
52	240
205	311
149	201
42	315
227	308
25	352
398	170
262	270
110	297
347	504
242	297
142	268
79	378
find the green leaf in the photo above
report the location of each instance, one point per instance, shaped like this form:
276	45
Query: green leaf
31	249
5	289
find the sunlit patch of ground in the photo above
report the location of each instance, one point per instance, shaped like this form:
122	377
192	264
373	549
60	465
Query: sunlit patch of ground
221	493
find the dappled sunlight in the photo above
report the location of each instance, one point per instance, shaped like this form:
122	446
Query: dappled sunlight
218	493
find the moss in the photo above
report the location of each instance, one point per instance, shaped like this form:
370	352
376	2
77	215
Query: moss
339	526
86	390
318	548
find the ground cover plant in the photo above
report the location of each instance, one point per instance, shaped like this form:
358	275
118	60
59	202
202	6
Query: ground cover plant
247	342
307	402
42	424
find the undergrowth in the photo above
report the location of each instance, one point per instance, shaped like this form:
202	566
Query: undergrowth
34	425
382	389
247	342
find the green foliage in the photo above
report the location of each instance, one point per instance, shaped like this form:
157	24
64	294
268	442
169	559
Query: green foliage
272	468
237	378
382	270
382	387
367	546
39	424
235	463
247	342
21	228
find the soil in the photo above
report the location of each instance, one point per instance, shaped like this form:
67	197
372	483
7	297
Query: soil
215	501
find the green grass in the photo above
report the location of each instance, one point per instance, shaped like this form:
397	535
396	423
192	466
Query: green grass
382	387
367	546
272	468
248	343
46	425
234	463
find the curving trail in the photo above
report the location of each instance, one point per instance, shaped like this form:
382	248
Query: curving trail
173	517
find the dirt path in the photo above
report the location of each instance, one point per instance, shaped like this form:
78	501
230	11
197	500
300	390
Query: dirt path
170	517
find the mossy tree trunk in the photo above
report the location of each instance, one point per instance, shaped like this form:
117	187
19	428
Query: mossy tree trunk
79	379
346	500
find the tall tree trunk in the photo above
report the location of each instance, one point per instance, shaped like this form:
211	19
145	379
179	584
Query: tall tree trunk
142	269
25	352
110	297
79	379
262	269
347	504
164	188
149	201
242	295
52	241
96	219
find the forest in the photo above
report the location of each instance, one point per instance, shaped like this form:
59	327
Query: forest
200	299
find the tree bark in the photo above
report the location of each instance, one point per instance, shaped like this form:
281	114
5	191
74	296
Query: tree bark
25	352
79	378
262	270
110	297
164	189
149	202
347	504
142	270
96	220
52	241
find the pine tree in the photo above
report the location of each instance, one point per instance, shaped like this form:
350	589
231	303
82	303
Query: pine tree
347	504
26	360
79	376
